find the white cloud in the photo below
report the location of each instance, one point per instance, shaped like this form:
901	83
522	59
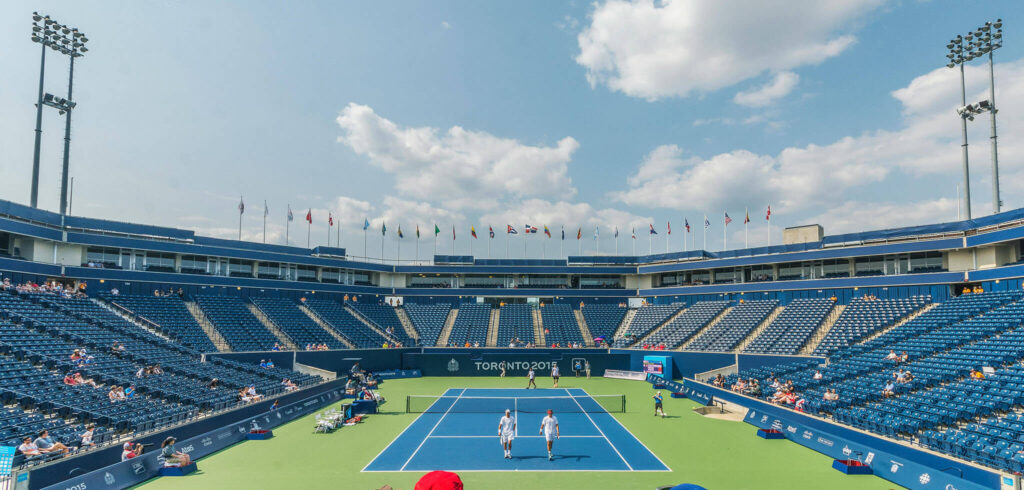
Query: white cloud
780	86
459	165
851	216
801	181
650	49
446	25
539	212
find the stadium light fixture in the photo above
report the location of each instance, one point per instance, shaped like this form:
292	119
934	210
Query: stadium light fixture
981	42
68	41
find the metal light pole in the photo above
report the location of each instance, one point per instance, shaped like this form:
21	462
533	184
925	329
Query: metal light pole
71	42
956	57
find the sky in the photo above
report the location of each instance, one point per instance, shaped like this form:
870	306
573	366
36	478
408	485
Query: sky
584	116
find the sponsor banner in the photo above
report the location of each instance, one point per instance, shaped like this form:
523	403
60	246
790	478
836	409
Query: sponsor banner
132	472
900	464
398	373
514	364
6	460
620	374
671	386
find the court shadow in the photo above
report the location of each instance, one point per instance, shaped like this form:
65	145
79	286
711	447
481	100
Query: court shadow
576	457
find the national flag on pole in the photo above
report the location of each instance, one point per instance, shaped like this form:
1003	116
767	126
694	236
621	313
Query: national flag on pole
747	219
291	217
768	217
579	233
616	232
531	229
686	223
727	219
472	231
453	235
400	234
241	205
563	232
330	219
366	223
266	210
707	224
309	216
417	232
596	233
383	229
634	233
490	230
668	225
652	230
511	231
547	231
437	230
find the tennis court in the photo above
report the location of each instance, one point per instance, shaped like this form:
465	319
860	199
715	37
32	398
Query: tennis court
457	431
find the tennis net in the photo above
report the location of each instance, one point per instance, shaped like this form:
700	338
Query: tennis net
498	404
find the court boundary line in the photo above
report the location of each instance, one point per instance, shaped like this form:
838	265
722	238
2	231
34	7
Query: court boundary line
517	437
631	434
399	436
432	429
623	458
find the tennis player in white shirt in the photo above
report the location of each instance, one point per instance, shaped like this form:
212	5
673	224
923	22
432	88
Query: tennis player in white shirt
506	432
549	427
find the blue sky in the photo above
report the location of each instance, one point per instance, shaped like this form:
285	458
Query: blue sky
609	114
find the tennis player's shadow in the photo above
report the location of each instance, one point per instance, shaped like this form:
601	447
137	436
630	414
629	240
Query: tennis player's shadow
576	457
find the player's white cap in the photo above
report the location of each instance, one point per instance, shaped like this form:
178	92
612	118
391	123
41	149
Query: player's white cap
508	411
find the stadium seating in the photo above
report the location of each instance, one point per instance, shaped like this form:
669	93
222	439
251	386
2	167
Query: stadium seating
687	324
647	318
734	326
561	325
239	327
864	317
170	314
299	327
470	325
384	317
346	325
428	320
515	322
791	330
603	320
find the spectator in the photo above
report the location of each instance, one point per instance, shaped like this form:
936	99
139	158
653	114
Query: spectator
112	394
831	395
270	364
904	357
975	374
115	292
214	383
28	448
817	375
129	392
277	347
288	385
129	450
263	363
889	390
171	457
157	370
46	444
252	393
69	379
892	356
87	381
87	436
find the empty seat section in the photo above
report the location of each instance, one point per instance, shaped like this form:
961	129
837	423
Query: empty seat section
647	318
687	324
515	323
864	317
561	325
170	314
734	326
428	320
603	320
299	327
239	327
334	314
791	330
470	325
384	317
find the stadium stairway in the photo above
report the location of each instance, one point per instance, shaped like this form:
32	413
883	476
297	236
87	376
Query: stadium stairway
403	318
760	328
538	327
446	332
822	331
627	319
900	323
588	338
369	324
327	328
281	336
218	340
651	318
714	321
492	327
149	327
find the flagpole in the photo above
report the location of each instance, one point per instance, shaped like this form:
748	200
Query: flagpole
365	253
309	227
489	242
337	242
453	239
650	243
382	235
508	239
725	236
264	221
287	225
417	243
329	234
544	249
705	232
399	259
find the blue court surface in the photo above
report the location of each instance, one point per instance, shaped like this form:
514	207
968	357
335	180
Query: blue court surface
459	432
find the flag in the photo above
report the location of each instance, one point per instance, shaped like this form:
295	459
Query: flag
472	231
366	224
417	232
579	233
616	232
634	233
768	216
511	231
291	217
652	230
309	216
453	235
266	210
437	230
400	234
547	231
490	230
668	224
531	229
686	223
747	219
330	219
241	205
563	232
383	229
596	233
707	224
727	219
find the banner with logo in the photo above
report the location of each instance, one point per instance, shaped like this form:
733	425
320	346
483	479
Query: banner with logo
398	373
672	386
514	364
132	472
898	463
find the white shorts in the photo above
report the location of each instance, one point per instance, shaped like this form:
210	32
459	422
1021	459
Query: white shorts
549	436
507	438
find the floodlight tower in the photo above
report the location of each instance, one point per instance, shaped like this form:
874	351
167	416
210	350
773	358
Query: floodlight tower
71	42
957	57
